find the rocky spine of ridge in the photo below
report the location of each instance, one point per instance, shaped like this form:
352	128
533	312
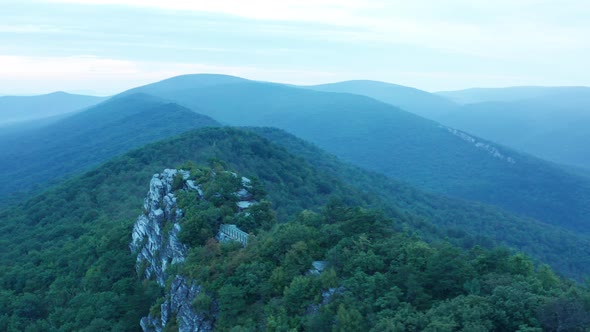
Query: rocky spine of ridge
156	242
157	245
492	150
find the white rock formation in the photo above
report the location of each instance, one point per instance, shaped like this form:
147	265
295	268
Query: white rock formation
155	240
481	145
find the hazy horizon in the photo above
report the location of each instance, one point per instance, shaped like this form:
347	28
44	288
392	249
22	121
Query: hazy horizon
107	46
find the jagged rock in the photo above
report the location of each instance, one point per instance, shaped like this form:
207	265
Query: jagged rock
192	186
245	204
156	242
179	302
318	267
155	248
480	145
247	183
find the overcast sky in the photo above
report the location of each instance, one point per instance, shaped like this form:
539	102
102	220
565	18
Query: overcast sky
106	46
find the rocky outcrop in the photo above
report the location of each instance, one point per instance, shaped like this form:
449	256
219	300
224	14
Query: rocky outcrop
155	234
177	303
492	150
157	245
156	242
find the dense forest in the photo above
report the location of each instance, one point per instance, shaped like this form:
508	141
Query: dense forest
67	264
32	157
383	138
373	278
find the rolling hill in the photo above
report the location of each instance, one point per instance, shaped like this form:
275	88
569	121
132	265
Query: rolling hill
382	138
547	122
425	104
25	108
33	156
552	124
78	274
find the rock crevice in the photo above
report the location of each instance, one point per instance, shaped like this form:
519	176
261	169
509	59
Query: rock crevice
156	243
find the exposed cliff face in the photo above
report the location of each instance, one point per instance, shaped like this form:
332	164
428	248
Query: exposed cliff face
155	240
492	150
157	244
178	304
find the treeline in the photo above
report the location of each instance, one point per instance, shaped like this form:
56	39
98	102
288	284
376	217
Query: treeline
66	263
376	279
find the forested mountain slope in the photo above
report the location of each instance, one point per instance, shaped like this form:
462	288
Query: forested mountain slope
553	125
26	108
428	105
548	122
380	137
67	263
31	157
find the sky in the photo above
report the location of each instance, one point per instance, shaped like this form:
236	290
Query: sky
106	46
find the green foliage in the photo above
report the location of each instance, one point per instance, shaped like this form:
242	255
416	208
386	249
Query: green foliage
401	145
31	159
66	250
435	217
378	280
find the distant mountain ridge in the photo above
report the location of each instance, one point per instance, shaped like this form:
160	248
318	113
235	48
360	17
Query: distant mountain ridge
34	156
383	138
425	104
25	108
548	122
551	123
371	134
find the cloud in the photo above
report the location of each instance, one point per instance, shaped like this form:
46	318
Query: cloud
324	11
306	41
513	30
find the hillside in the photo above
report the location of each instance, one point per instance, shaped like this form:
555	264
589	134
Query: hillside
425	104
548	122
26	108
552	125
182	82
78	274
31	157
342	269
382	138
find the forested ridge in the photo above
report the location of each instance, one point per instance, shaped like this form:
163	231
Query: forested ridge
386	139
375	279
29	159
67	266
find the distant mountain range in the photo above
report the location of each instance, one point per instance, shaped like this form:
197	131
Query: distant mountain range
551	123
31	156
26	108
548	122
425	104
386	139
369	133
82	176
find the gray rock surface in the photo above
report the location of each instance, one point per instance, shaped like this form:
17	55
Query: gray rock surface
156	243
155	240
493	151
